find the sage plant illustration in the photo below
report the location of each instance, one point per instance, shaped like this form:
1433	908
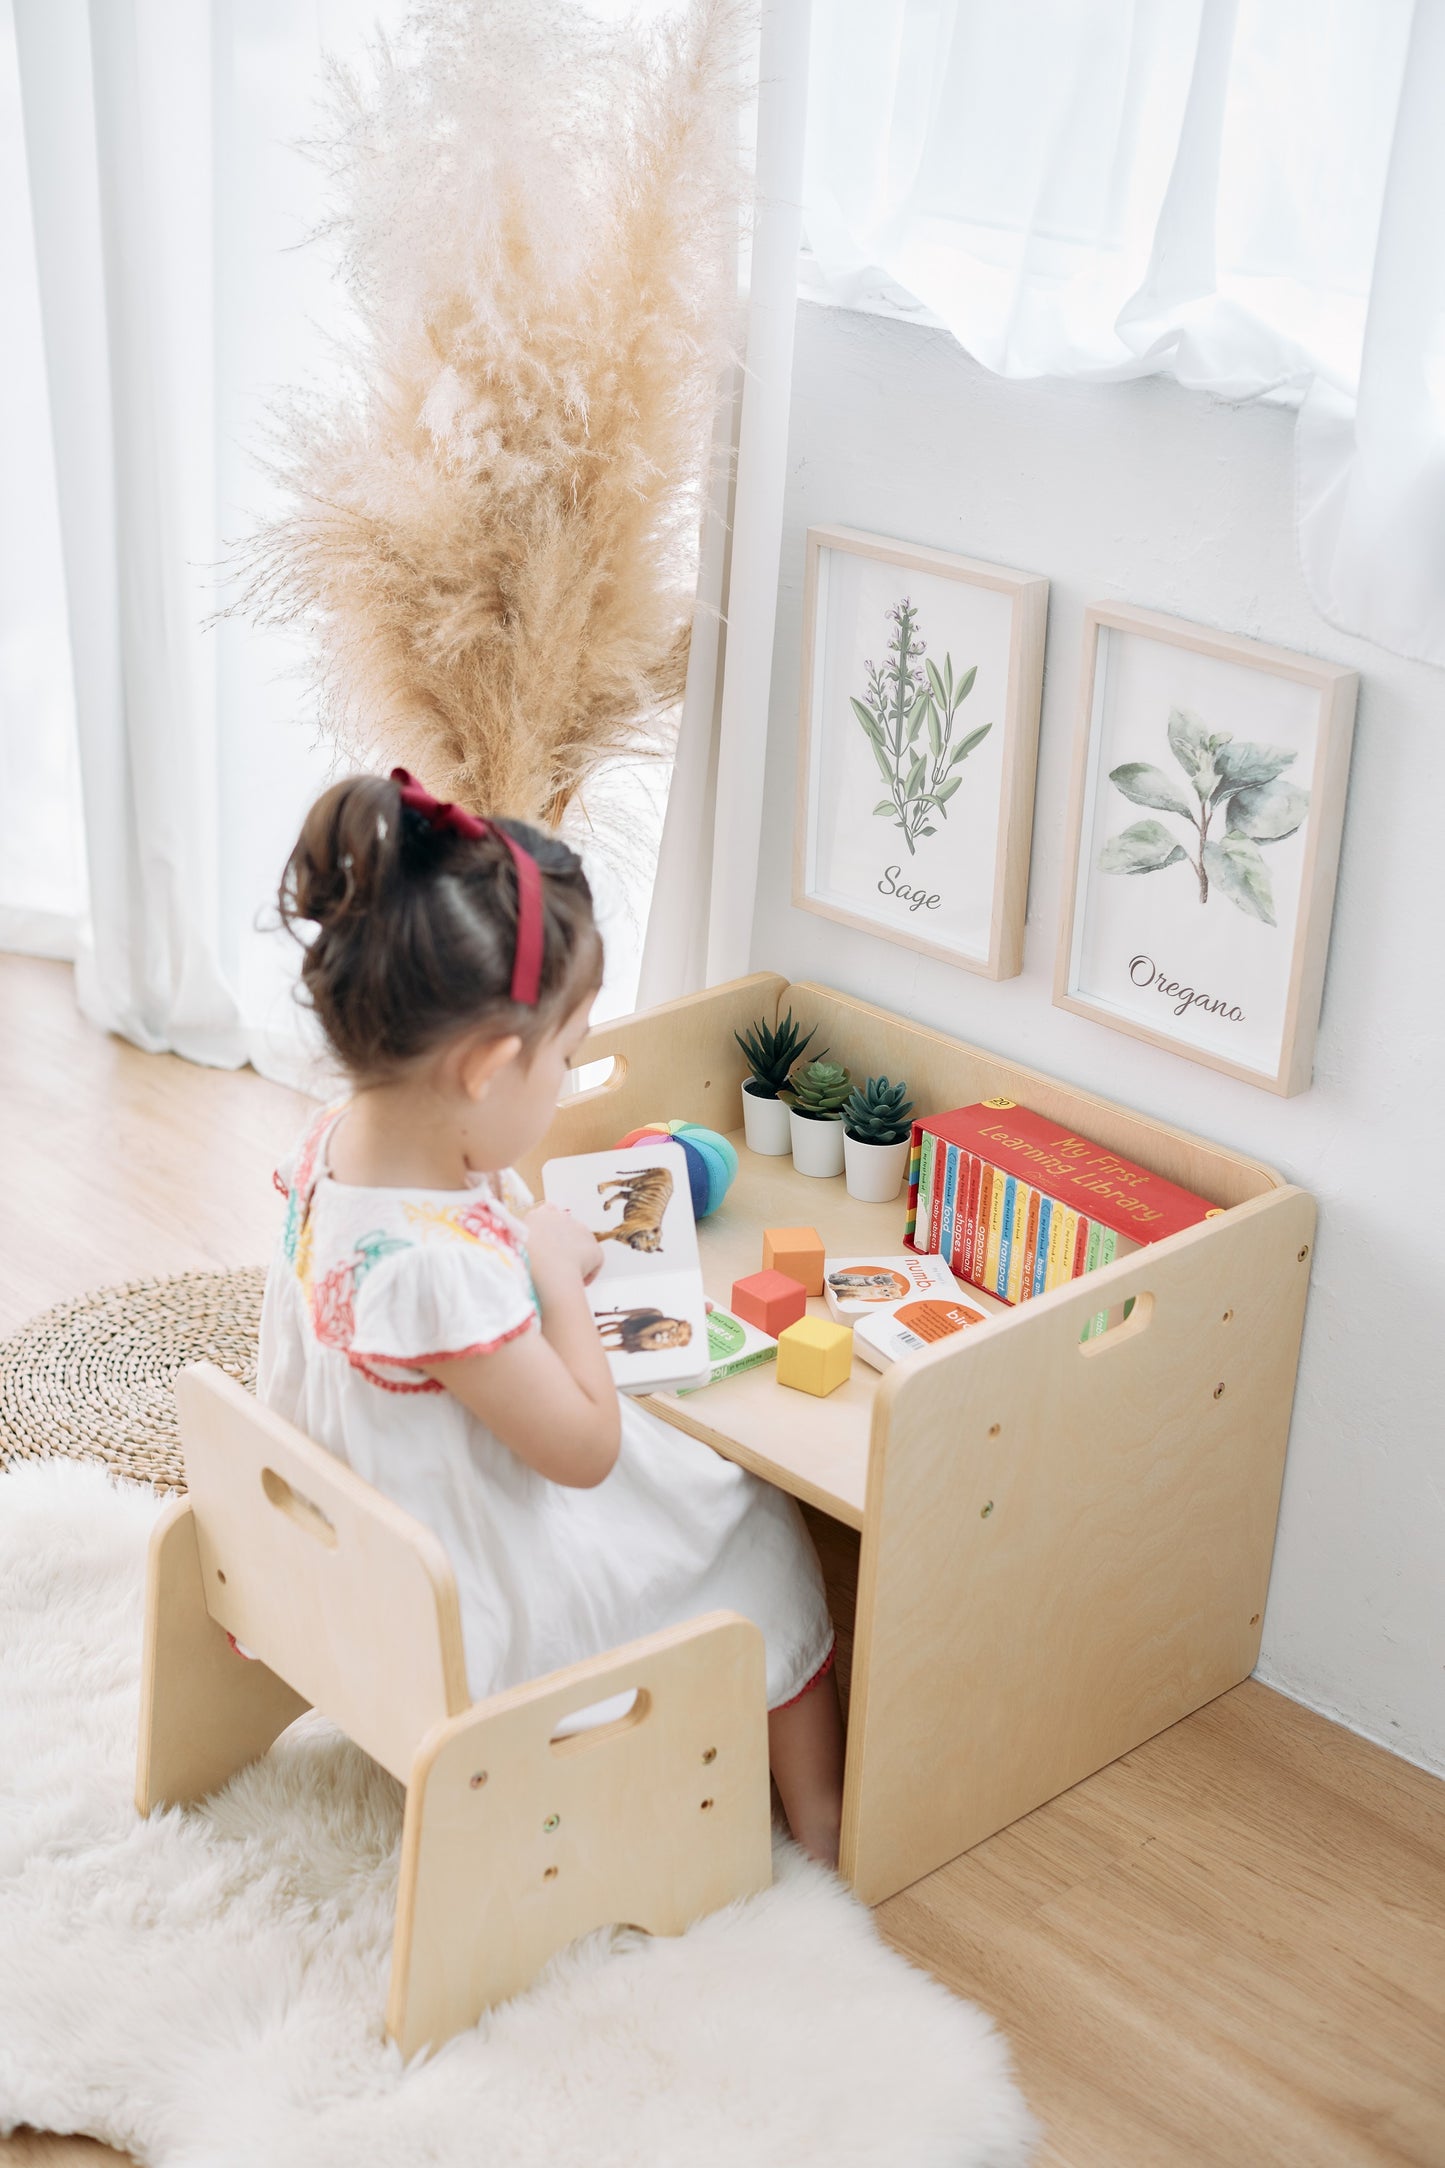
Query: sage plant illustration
1228	776
907	697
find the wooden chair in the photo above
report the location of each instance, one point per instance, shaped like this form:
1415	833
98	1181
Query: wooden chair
518	1837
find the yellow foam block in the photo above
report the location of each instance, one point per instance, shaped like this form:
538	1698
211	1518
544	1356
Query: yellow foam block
815	1355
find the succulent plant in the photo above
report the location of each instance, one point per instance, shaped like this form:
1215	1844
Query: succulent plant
819	1090
879	1114
771	1054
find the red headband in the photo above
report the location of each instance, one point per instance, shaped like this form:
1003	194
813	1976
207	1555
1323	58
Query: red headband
527	960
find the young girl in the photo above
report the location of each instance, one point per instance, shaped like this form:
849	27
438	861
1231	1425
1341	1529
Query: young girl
427	1322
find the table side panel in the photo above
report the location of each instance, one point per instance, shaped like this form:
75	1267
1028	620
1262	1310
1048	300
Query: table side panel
1067	1549
677	1062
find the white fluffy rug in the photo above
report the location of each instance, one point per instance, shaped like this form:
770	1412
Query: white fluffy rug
206	1988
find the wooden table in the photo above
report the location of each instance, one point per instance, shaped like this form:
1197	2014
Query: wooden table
1064	1547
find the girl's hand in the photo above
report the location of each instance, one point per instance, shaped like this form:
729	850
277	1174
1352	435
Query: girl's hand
555	1238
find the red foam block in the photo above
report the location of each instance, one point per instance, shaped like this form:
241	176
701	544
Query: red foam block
769	1300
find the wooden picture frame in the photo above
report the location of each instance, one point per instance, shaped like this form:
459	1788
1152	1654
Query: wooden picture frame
1245	748
951	872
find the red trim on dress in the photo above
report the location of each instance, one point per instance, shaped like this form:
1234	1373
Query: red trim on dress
360	1357
817	1679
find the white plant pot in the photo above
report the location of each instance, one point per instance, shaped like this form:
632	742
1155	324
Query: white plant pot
817	1146
875	1171
765	1125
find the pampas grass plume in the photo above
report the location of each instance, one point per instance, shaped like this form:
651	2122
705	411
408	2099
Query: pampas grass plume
490	530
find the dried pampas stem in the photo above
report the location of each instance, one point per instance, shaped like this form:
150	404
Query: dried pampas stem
491	531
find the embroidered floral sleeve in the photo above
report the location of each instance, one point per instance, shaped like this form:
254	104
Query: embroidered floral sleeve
428	1301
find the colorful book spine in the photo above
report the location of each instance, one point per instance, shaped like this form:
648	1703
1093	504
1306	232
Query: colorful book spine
1053	1271
915	1162
1031	1246
1005	1237
925	1188
1081	1246
995	1234
935	1205
950	1201
1099	1256
1014	1283
982	1211
960	1209
1047	1209
971	1217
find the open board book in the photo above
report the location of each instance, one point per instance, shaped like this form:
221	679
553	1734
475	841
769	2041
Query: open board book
647	1299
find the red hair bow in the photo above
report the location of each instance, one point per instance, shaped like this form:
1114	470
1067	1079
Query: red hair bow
454	819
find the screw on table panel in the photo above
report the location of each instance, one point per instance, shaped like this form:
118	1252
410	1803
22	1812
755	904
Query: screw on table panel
478	1780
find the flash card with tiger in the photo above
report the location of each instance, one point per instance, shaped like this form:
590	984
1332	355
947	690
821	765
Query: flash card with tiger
648	1298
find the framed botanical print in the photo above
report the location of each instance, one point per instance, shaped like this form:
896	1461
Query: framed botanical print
1209	795
920	716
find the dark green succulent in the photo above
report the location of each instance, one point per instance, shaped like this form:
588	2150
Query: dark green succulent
771	1054
879	1114
819	1090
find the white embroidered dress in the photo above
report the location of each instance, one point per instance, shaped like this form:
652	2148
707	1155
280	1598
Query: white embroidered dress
365	1284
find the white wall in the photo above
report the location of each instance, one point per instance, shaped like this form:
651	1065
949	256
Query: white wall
1157	496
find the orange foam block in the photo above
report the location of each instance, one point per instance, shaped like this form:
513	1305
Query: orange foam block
797	1251
769	1300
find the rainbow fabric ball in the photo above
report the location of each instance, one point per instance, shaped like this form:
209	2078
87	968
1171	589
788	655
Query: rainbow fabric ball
711	1160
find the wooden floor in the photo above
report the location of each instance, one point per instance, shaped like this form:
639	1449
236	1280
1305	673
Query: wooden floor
1226	1951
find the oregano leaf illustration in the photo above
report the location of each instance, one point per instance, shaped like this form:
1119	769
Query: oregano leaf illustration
1267	811
1144	848
1194	747
1240	765
1235	866
946	790
935	679
1143	784
866	718
965	684
884	805
935	733
882	759
915	777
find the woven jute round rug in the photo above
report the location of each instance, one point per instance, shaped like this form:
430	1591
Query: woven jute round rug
93	1379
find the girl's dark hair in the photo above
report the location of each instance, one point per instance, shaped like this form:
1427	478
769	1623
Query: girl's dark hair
417	927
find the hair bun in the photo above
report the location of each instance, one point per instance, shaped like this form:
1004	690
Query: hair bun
348	854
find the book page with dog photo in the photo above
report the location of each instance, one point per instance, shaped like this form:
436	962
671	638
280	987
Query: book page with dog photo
648	1298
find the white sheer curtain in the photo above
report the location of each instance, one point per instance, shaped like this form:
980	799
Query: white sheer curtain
154	294
168	199
1247	194
700	928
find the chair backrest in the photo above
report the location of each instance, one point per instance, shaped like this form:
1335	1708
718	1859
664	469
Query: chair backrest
341	1593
